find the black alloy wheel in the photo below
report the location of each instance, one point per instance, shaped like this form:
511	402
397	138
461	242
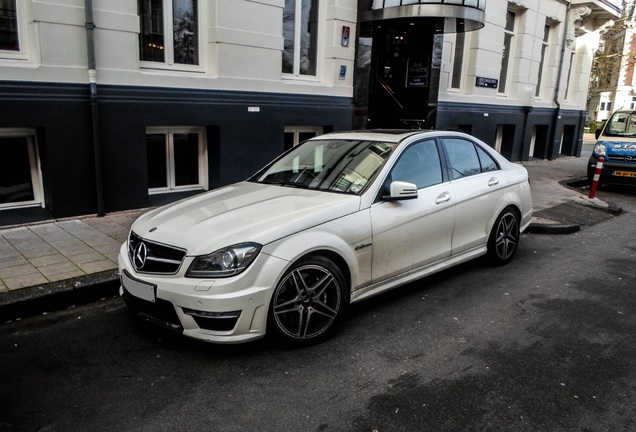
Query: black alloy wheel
309	301
504	237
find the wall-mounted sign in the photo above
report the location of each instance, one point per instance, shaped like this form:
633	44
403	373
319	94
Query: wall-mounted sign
486	82
343	72
417	71
346	32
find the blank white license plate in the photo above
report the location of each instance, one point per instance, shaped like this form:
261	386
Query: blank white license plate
137	288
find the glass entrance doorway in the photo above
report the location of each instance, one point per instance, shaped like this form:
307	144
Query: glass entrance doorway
398	74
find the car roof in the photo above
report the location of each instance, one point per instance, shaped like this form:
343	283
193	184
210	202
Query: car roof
386	135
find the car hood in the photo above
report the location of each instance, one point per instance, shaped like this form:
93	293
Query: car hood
241	212
619	148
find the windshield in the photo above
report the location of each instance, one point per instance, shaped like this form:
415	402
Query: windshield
621	124
345	166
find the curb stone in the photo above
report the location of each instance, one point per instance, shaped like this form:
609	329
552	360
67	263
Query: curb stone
567	220
54	296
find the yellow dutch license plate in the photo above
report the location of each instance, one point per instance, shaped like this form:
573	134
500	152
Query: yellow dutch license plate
624	174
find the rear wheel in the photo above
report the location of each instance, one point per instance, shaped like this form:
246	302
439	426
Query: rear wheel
504	237
309	301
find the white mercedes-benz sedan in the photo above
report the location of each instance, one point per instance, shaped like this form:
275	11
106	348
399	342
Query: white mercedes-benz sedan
337	219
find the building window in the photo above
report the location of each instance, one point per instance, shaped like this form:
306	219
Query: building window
509	30
177	159
633	104
20	176
169	31
300	31
294	135
458	58
9	40
542	64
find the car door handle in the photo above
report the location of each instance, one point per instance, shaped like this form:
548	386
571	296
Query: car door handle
493	181
443	198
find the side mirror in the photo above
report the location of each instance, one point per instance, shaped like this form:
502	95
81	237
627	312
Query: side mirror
400	190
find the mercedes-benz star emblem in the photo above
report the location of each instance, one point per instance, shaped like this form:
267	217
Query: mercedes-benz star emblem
139	256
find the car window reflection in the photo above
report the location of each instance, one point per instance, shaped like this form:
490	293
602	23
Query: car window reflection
345	166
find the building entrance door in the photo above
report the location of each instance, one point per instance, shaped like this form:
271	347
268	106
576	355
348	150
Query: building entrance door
404	75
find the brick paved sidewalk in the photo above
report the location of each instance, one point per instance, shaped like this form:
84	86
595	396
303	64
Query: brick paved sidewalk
37	254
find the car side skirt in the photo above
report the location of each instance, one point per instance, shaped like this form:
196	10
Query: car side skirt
403	279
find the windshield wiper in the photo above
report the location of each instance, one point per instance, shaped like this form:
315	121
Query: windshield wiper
286	183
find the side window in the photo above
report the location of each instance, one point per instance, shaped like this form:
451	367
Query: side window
419	164
487	162
462	157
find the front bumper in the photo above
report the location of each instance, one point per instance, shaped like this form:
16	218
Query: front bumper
610	170
227	310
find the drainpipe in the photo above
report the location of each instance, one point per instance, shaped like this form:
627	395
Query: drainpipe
557	90
92	76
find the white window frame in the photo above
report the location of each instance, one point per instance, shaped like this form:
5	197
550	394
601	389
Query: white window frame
169	132
569	83
511	54
459	62
297	130
168	40
297	44
34	163
22	53
499	138
544	60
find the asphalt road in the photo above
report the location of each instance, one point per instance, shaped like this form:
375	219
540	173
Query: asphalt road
547	343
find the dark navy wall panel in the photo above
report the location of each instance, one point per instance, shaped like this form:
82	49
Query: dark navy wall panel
240	141
60	115
244	139
520	122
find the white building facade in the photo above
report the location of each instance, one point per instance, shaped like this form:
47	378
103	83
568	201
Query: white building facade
109	105
519	82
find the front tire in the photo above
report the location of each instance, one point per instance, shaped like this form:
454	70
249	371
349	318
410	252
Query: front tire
504	237
308	302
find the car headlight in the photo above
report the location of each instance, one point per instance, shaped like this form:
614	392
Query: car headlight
599	149
225	262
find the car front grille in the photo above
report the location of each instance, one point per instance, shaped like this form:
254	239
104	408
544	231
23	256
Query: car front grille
154	258
619	158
